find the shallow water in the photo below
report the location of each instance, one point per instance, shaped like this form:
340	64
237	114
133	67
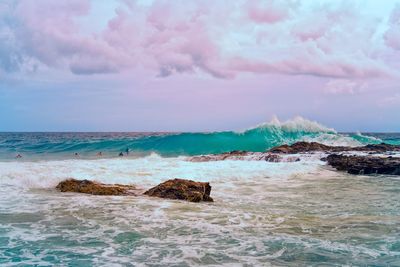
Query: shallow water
278	214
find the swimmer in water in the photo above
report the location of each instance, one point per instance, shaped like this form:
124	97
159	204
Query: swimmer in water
127	151
76	154
121	154
99	154
18	156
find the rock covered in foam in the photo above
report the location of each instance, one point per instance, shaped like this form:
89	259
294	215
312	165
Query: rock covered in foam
182	189
243	155
236	154
95	188
365	164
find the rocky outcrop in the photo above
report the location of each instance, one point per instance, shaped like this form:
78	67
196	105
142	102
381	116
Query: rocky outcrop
305	147
243	155
300	147
182	189
236	154
365	164
95	188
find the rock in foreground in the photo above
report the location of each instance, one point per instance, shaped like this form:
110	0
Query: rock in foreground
182	189
365	164
95	188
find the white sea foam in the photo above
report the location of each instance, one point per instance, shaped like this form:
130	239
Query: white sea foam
333	140
297	124
144	171
264	214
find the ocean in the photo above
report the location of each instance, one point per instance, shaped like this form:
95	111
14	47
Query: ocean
264	214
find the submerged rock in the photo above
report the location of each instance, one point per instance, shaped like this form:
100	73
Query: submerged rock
95	188
365	164
272	158
236	154
244	155
182	189
304	147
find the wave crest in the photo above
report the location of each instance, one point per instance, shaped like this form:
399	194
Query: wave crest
297	124
257	139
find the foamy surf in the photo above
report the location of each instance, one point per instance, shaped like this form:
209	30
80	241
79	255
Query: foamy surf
50	146
264	213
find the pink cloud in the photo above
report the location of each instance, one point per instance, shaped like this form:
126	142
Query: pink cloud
392	35
222	39
351	87
268	11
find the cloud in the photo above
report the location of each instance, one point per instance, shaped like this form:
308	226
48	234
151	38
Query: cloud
351	87
268	11
220	38
392	35
390	101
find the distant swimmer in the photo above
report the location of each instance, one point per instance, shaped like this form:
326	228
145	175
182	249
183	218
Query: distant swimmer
99	154
76	155
121	154
127	150
18	156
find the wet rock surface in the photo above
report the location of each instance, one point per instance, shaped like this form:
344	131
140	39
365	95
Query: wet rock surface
237	154
244	155
95	188
275	154
182	189
364	164
306	147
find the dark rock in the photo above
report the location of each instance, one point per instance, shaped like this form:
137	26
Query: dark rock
182	189
236	154
304	147
273	158
300	147
95	188
365	164
296	148
244	155
378	148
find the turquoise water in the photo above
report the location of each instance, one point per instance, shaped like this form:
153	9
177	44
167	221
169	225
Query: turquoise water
87	145
264	214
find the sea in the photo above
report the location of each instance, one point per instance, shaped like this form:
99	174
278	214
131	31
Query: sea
264	214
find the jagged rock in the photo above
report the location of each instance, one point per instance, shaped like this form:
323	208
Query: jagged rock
365	164
236	154
182	189
378	148
272	158
304	147
244	155
299	147
95	188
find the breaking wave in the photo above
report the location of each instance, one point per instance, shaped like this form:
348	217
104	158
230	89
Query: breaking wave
259	138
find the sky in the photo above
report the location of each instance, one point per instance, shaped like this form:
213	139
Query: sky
205	65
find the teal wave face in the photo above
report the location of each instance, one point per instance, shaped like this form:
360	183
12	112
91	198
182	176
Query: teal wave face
261	138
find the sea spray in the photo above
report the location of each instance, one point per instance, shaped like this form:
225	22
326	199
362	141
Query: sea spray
87	145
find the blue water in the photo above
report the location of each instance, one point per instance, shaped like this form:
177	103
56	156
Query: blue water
87	145
280	214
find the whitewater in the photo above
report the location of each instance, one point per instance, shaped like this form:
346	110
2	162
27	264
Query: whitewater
264	214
